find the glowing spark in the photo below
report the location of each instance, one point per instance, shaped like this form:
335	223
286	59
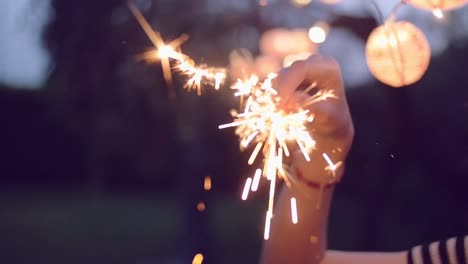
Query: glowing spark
245	87
207	183
195	75
271	198
330	163
318	97
331	166
294	218
245	193
249	139
266	234
256	180
197	259
255	153
201	206
219	78
200	74
164	52
263	123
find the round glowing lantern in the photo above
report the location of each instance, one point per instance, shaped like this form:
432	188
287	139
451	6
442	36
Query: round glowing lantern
437	5
397	53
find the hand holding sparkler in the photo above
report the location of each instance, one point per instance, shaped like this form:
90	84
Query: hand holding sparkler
304	241
308	84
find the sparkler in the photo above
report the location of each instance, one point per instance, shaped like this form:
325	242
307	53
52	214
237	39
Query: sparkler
269	127
197	74
262	122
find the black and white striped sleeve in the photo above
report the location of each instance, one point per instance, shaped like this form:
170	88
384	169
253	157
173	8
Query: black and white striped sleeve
451	251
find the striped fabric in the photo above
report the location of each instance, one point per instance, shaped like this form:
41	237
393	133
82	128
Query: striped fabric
451	251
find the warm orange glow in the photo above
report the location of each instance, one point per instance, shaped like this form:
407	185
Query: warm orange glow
201	206
397	53
197	259
276	42
280	42
301	3
301	42
441	5
207	183
265	65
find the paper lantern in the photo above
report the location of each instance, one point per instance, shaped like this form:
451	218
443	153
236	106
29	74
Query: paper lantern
437	4
397	53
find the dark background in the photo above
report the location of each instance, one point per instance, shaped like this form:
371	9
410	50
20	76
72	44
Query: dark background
99	166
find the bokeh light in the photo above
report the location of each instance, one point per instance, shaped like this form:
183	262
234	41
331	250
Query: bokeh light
318	32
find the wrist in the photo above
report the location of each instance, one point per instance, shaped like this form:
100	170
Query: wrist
322	171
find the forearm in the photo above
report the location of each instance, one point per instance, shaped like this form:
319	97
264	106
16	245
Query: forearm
342	257
304	242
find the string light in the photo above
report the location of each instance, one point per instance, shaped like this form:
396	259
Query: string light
318	32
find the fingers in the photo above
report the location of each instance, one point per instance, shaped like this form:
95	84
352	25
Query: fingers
324	71
330	115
